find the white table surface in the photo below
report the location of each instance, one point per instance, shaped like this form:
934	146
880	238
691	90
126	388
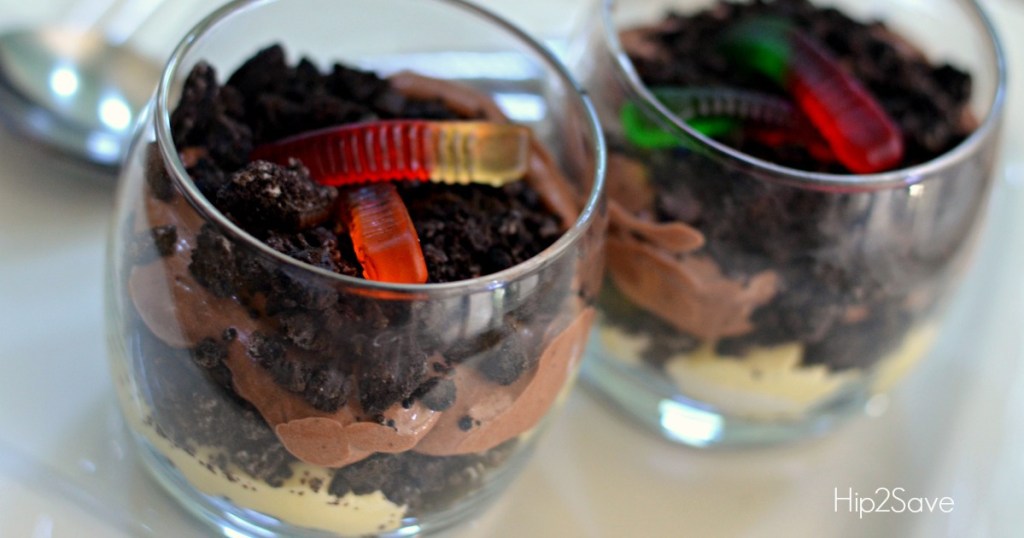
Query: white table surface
954	429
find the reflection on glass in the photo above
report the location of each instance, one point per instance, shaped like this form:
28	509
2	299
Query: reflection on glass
688	424
64	81
114	113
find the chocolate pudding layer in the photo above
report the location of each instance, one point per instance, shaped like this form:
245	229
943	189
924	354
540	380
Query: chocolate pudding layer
303	396
762	298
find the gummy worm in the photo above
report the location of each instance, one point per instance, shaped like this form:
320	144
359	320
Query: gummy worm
383	236
862	135
453	152
717	111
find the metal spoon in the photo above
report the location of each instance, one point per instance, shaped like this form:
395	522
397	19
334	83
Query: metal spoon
75	90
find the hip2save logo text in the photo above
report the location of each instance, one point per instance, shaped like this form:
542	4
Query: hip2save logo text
889	501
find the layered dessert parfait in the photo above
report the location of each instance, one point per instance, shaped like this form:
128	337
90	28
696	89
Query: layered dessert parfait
301	350
783	226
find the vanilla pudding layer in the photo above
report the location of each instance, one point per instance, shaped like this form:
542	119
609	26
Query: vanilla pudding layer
769	382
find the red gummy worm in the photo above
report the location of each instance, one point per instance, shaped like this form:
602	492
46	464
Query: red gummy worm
864	138
383	236
365	152
453	152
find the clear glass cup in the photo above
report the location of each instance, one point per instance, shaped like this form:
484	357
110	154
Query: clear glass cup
471	369
709	331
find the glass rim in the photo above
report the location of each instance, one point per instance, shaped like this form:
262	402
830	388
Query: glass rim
771	172
587	215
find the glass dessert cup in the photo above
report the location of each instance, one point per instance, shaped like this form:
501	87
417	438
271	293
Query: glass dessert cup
749	303
274	397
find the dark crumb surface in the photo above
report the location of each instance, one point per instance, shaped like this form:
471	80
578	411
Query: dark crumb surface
465	231
926	101
470	231
265	196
